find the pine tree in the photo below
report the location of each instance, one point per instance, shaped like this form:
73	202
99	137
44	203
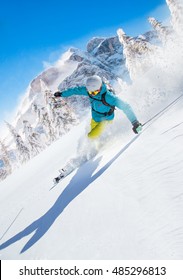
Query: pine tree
176	10
48	96
3	173
57	117
5	157
46	92
127	51
22	150
57	120
47	125
7	169
162	31
137	53
63	116
36	110
32	138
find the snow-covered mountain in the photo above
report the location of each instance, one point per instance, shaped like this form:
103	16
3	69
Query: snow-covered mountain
47	118
104	56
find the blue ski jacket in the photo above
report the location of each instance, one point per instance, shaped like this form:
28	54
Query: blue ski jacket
100	111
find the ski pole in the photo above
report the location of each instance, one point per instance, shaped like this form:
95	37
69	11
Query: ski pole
163	110
11	223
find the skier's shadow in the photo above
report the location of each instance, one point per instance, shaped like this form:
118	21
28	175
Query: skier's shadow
80	181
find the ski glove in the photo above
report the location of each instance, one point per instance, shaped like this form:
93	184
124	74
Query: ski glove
137	127
57	94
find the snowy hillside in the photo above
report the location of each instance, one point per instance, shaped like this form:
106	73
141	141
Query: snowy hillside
126	203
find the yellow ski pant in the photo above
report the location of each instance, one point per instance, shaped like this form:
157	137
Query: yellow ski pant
97	128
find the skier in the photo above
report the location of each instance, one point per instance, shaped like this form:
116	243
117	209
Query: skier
103	102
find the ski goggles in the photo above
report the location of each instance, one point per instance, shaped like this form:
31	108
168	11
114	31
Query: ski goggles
95	92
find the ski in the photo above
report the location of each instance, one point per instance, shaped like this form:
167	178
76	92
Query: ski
63	174
57	179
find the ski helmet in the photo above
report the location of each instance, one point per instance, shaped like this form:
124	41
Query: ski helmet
93	83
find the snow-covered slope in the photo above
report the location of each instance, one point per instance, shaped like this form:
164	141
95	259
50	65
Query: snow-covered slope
125	203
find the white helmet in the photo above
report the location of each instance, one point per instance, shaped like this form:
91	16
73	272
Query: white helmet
93	83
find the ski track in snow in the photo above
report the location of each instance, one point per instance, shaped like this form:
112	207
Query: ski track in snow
125	203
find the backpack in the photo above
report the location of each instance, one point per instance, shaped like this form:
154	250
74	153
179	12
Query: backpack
112	108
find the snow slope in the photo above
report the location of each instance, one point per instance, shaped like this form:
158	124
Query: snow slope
125	203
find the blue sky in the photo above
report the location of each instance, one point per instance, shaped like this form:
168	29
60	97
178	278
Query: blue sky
40	30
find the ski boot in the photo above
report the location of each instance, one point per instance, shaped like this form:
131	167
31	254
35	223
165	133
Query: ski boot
59	177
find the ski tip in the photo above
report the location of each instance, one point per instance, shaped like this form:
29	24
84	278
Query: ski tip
56	180
54	184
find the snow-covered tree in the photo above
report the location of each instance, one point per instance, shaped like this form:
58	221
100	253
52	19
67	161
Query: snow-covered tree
4	155
37	111
32	138
62	116
127	51
137	52
45	91
48	95
3	173
47	124
162	31
22	150
176	10
34	107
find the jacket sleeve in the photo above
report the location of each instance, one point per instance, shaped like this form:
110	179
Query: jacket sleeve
124	106
74	91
